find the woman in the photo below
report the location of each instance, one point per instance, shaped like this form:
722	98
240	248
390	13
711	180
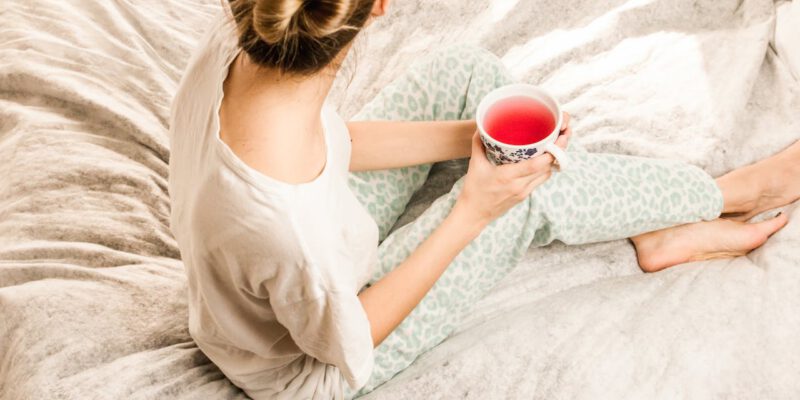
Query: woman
289	289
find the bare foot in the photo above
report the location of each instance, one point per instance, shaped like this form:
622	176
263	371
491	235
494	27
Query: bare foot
721	238
767	184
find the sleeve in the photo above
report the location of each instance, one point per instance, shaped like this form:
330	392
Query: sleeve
333	328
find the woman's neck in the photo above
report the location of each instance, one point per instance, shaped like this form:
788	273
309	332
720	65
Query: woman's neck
257	97
260	94
301	95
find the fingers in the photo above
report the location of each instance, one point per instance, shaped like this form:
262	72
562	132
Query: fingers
563	140
478	156
535	165
538	181
477	144
526	187
566	132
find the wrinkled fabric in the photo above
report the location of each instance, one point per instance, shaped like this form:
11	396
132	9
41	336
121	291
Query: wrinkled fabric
93	293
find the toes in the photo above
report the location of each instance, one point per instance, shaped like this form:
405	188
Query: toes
763	230
772	225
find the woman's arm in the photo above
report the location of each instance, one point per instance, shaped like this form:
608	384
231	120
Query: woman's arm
392	298
394	144
488	192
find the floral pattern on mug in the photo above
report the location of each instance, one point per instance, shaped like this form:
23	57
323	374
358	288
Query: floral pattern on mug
498	155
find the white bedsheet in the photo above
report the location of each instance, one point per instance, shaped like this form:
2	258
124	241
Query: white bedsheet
787	35
92	292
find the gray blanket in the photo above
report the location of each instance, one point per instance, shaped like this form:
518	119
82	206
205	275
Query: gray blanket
92	289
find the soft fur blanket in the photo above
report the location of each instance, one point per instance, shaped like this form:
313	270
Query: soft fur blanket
92	289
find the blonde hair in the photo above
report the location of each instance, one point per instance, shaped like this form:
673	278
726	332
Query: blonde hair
298	36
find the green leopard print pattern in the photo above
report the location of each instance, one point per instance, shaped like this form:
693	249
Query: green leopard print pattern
601	197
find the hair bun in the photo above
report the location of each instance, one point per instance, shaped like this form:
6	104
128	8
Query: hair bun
299	37
275	20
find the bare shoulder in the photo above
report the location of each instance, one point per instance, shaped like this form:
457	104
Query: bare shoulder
274	147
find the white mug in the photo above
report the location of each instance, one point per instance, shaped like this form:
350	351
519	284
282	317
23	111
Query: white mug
504	153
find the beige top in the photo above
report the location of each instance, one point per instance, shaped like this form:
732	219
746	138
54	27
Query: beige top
273	268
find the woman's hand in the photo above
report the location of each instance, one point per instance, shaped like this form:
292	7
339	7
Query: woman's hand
566	132
490	190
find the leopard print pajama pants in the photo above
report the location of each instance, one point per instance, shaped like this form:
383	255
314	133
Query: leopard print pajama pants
601	197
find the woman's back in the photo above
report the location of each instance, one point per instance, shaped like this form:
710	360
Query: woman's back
258	295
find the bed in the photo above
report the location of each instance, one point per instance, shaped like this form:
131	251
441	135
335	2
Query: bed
92	289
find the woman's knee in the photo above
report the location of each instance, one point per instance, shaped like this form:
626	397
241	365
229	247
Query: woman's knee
461	56
468	54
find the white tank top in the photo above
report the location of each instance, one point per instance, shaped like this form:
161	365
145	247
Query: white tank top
274	269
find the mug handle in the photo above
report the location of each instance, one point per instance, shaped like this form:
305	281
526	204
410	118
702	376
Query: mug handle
561	156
